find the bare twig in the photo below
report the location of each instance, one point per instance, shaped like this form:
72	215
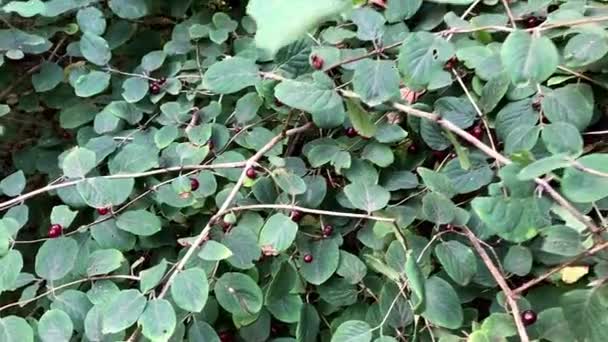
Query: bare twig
500	279
505	4
227	202
309	210
594	250
70	284
7	204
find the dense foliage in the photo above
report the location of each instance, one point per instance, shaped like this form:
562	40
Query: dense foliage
303	170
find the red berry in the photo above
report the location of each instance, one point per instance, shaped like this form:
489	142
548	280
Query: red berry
317	62
451	63
439	155
225	336
351	132
251	173
477	132
237	130
296	216
55	230
66	135
328	229
532	21
194	184
226	225
528	317
161	81
155	88
412	148
103	211
307	258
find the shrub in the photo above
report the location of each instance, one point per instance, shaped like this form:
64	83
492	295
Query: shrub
304	170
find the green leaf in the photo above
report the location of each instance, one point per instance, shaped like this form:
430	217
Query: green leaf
422	56
571	104
351	268
55	326
562	138
247	107
379	154
522	138
585	311
458	261
437	182
95	49
514	219
10	266
129	9
231	75
518	260
26	9
56	258
585	48
561	240
190	289
153	60
134	89
478	175
78	162
376	81
282	283
13	328
398	10
368	197
442	305
214	251
104	261
150	277
326	258
308	325
91	20
529	58
49	76
437	208
416	281
123	311
62	215
360	119
289	182
238	294
583	187
158	320
200	331
92	83
353	331
139	222
493	91
100	192
13	184
278	233
135	157
276	27
543	166
311	97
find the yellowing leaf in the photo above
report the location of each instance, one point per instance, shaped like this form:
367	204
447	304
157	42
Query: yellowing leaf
572	274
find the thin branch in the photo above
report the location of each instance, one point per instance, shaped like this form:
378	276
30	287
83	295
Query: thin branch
505	4
76	282
499	157
227	202
310	211
594	250
582	76
7	204
500	279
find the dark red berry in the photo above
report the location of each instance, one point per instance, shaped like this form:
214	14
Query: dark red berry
194	184
317	62
296	216
307	258
237	130
351	132
251	173
528	317
155	88
225	336
532	21
451	63
412	148
66	135
226	225
162	81
103	211
55	230
328	229
477	132
439	155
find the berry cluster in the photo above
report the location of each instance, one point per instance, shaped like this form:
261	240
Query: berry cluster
156	86
316	62
55	231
